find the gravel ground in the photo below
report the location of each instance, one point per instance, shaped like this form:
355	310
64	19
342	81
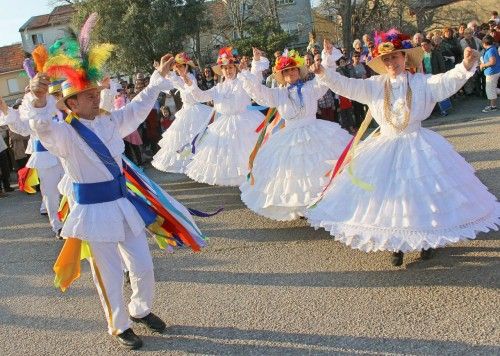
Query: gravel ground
264	287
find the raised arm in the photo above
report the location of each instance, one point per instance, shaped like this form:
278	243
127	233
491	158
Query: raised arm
444	85
12	120
55	136
201	96
257	91
129	117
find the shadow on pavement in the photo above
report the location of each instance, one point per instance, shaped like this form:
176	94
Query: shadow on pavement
230	340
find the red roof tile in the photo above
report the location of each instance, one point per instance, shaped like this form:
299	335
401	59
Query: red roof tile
60	15
11	58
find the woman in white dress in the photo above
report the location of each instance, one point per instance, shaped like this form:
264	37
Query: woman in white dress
175	145
413	191
221	156
290	169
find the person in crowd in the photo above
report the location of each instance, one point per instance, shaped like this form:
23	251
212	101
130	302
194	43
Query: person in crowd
208	80
4	163
473	85
461	31
358	70
451	47
417	39
494	17
490	65
166	118
433	61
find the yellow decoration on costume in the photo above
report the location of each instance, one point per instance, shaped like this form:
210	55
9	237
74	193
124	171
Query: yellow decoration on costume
31	181
386	47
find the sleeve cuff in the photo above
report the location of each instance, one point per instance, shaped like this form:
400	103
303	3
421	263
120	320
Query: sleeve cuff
260	65
159	81
469	73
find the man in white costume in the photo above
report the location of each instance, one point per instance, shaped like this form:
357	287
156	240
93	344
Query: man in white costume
107	221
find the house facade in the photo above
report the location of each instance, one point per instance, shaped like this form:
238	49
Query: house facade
46	29
12	77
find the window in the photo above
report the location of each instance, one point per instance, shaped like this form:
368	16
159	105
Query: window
291	27
37	38
13	86
285	2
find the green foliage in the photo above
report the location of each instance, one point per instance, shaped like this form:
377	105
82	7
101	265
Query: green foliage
142	30
265	35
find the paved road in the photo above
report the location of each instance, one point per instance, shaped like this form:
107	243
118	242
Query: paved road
264	287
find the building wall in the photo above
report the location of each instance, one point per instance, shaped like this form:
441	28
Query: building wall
50	35
295	17
22	82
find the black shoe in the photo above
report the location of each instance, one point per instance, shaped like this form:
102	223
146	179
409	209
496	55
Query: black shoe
397	258
427	254
152	322
9	189
44	214
58	235
129	339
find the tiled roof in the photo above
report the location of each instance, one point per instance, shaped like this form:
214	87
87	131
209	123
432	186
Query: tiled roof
60	15
11	58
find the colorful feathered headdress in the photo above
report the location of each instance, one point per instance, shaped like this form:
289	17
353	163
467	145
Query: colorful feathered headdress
289	59
183	58
227	55
394	41
78	62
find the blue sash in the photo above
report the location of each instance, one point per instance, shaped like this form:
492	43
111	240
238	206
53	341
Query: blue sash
102	192
38	147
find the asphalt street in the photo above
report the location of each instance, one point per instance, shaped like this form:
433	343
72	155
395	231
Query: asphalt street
265	287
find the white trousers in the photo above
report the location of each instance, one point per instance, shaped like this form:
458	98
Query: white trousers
491	86
107	271
49	178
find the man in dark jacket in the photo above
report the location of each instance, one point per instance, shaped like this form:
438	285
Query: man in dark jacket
433	62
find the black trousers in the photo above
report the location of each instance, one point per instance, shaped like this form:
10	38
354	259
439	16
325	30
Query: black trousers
4	169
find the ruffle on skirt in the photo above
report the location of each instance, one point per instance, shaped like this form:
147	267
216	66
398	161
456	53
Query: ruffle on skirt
189	121
222	155
103	222
425	196
290	169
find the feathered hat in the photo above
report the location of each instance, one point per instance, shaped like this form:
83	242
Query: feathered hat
227	55
183	58
289	59
36	64
80	64
394	41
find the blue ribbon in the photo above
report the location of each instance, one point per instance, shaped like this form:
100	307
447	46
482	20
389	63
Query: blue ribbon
101	192
298	84
38	147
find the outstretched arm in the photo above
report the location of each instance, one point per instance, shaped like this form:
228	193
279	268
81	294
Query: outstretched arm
444	85
191	87
129	117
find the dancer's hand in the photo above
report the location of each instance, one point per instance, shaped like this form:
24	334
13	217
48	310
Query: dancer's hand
257	53
39	86
243	64
166	64
316	68
470	58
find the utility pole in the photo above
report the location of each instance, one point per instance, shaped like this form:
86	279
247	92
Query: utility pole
347	25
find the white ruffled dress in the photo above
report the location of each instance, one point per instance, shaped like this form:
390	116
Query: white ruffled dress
221	157
425	195
175	145
290	170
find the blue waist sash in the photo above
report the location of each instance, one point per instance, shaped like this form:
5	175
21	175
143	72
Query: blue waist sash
38	147
102	192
